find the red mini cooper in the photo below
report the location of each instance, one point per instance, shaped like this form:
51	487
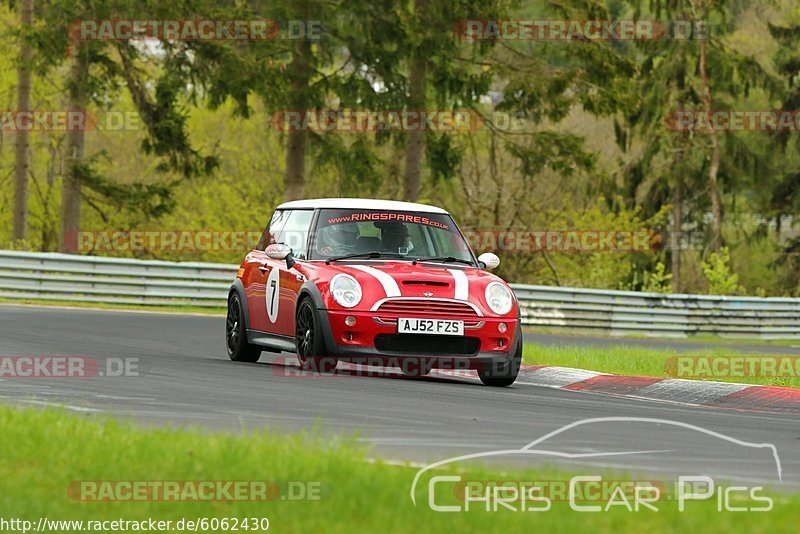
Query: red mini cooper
375	282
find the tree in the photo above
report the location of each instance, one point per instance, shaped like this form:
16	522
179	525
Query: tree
658	172
22	156
71	186
701	11
415	56
703	73
96	71
785	196
299	71
417	87
285	72
539	84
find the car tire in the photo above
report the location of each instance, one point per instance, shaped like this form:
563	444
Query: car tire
503	375
239	350
309	341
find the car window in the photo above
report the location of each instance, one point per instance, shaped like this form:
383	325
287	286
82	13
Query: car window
417	238
295	232
441	242
273	229
416	235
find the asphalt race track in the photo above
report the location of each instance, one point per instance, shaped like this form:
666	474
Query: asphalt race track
185	378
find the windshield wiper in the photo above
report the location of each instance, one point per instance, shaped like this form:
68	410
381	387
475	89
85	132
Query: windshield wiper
445	259
369	255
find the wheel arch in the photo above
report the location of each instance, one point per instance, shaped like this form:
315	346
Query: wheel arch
310	290
237	287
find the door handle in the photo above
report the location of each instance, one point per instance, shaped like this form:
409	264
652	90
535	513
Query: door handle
263	268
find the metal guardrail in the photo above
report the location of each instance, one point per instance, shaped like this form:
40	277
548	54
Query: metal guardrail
49	276
654	314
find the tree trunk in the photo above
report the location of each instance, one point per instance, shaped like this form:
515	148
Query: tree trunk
71	187
415	142
300	71
713	169
676	241
497	178
22	156
677	219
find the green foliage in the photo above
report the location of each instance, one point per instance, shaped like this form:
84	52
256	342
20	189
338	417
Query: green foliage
658	281
605	269
717	270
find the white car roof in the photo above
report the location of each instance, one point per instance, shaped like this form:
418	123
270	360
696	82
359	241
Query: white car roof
359	204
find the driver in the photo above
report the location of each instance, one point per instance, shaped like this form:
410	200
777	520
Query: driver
395	237
338	238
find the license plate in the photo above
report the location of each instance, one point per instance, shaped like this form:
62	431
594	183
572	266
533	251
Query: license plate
430	326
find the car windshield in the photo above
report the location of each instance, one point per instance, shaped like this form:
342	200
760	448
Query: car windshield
390	234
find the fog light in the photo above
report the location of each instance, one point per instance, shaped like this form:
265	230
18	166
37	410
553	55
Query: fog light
502	327
350	320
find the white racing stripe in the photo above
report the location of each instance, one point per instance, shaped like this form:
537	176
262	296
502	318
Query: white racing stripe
389	284
462	284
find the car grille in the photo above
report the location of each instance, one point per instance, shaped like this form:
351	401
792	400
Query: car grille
427	308
425	345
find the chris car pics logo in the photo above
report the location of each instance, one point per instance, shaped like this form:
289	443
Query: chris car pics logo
454	491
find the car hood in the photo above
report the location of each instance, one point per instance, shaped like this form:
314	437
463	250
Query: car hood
382	279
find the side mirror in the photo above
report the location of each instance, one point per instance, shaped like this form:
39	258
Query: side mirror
279	251
489	260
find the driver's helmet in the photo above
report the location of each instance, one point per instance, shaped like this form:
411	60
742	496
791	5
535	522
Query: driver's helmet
394	236
342	235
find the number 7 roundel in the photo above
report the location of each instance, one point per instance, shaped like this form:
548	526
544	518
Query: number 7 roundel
272	294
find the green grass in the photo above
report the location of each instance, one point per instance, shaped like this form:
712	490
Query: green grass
637	361
42	452
701	338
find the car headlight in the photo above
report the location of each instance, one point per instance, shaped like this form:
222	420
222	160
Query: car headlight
499	298
345	290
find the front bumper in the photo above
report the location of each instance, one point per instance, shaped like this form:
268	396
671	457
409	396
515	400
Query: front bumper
374	340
